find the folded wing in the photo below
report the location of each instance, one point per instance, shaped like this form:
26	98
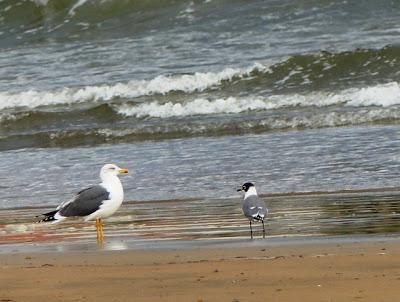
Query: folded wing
254	208
85	202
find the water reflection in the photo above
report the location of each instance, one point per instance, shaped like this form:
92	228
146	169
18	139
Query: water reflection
323	214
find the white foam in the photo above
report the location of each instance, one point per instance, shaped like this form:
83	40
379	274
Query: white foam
218	106
32	99
381	95
332	119
75	6
40	2
195	107
159	85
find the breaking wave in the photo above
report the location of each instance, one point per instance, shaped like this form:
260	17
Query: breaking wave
162	84
122	133
381	95
304	91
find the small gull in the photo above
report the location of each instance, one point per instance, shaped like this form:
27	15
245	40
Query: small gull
93	203
254	207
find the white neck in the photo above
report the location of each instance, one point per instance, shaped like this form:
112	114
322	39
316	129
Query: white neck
113	184
251	191
109	179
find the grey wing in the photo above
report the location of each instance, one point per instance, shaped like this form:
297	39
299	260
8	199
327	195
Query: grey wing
86	202
254	207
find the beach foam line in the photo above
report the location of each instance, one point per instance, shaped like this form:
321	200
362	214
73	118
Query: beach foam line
195	107
385	95
161	84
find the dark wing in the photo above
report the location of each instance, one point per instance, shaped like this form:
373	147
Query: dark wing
253	207
86	202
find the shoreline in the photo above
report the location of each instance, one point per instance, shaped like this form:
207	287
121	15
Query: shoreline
331	248
216	221
90	245
318	271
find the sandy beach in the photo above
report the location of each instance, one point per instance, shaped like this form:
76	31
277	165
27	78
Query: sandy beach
320	247
195	99
330	271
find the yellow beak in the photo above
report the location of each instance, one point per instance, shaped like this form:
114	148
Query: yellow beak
123	171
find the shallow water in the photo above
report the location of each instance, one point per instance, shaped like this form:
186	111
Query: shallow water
296	161
166	223
196	98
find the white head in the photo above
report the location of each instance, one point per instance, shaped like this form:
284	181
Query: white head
110	170
248	188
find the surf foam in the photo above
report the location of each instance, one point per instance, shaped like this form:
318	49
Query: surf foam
381	95
159	85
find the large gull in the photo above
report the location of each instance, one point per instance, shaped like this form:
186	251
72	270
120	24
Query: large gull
254	207
93	203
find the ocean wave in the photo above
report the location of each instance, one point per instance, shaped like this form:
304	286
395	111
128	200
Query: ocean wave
334	71
162	84
195	107
384	95
285	120
303	74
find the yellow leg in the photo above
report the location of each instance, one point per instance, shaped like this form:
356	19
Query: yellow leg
99	231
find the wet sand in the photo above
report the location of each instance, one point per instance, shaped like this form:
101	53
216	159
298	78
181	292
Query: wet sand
326	271
329	247
374	211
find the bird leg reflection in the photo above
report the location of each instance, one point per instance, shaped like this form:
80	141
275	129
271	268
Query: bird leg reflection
262	221
99	230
